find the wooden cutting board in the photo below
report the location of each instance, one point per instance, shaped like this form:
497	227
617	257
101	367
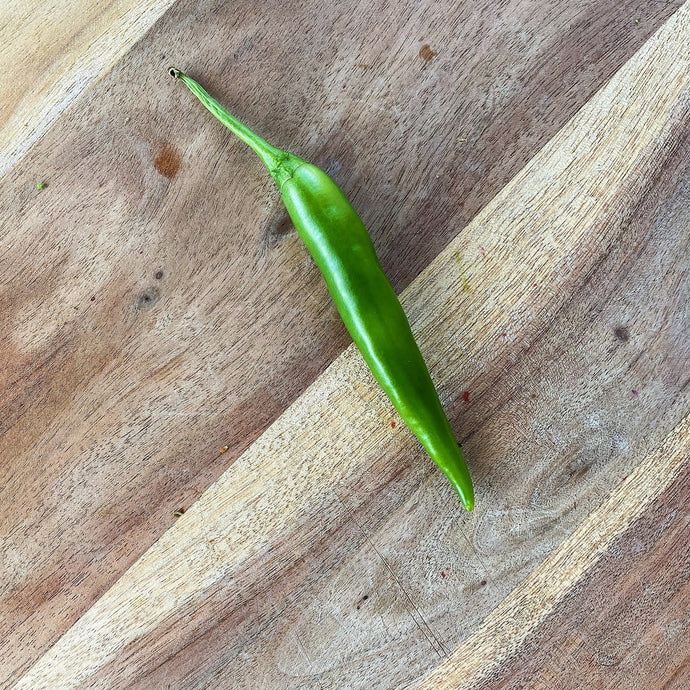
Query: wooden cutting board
202	486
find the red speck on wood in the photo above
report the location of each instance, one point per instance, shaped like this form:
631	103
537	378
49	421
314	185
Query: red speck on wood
466	396
393	424
482	251
443	574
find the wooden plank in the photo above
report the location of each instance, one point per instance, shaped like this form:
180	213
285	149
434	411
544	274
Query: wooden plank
248	589
627	624
555	591
51	53
120	388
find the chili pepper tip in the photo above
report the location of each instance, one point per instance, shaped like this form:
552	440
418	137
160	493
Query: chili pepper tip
174	72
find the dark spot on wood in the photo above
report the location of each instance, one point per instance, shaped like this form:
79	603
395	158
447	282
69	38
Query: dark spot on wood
93	299
147	298
365	597
282	227
279	226
167	162
621	333
578	471
426	53
482	583
159	275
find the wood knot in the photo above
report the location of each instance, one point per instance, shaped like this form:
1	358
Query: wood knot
147	298
621	333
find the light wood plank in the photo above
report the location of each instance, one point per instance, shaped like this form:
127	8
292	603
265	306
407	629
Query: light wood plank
584	178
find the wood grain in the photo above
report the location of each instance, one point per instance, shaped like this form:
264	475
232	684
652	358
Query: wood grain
627	623
643	496
51	52
263	579
156	307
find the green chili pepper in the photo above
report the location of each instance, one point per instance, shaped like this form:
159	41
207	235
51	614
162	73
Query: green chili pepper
343	251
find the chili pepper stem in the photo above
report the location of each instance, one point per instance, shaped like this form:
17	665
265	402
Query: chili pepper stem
280	164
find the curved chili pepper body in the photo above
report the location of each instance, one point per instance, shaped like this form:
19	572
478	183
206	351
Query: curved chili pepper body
342	249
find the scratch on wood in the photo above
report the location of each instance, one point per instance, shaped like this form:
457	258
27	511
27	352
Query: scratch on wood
424	627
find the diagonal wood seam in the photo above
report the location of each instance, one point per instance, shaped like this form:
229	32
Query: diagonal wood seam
510	623
570	194
74	74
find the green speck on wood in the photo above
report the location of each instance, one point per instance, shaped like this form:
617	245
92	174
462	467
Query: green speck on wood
41	185
463	278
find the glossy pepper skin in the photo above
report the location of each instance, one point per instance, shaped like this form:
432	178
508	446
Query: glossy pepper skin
340	244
